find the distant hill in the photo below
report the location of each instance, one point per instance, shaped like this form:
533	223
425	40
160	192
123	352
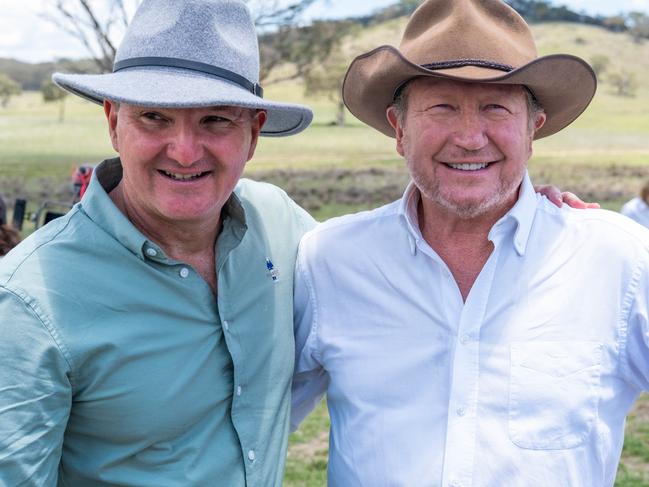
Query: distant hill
31	76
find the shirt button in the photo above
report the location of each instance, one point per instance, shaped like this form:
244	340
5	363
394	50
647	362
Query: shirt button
151	252
464	339
454	483
226	325
184	272
238	390
460	412
251	455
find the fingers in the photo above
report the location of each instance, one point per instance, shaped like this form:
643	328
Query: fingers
558	198
552	193
574	201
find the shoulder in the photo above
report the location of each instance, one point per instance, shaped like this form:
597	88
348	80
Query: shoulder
356	228
268	205
602	229
259	194
50	244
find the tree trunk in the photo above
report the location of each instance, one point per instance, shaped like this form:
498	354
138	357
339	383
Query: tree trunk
340	114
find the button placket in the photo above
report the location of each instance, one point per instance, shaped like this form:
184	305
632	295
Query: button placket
461	426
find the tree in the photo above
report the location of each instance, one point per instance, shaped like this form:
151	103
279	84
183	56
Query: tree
326	79
639	26
615	23
52	93
8	88
326	76
97	27
599	63
624	82
302	49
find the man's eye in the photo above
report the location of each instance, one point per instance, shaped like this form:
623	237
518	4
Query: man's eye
496	107
215	119
153	116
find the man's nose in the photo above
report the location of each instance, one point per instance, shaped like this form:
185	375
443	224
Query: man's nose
471	132
185	146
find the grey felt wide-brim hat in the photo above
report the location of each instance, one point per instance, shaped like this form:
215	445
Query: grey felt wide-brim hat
189	53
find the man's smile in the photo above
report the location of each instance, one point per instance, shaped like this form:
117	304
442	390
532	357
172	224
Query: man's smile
183	177
468	167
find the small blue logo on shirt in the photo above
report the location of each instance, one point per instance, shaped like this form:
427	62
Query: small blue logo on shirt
272	272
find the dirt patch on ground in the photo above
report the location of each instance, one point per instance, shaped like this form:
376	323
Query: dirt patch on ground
316	447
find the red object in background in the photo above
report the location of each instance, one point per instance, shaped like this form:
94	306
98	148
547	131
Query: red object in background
80	179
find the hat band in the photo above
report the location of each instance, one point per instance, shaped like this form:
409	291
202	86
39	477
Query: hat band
170	62
460	63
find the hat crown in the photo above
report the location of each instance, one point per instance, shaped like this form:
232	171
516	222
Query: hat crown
481	30
220	33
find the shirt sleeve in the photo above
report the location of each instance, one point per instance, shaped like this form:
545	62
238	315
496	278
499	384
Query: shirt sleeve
310	379
636	351
35	395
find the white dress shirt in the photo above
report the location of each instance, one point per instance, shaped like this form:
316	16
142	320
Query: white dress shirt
527	383
637	210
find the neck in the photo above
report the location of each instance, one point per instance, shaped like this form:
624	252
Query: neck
189	242
462	243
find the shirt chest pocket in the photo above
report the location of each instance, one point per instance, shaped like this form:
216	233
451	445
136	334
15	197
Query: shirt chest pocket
553	393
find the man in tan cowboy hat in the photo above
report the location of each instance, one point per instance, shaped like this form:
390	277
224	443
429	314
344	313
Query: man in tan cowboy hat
471	333
146	337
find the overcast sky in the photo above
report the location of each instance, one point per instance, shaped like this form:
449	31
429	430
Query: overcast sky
24	35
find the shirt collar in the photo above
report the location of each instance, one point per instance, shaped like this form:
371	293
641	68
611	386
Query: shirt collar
520	216
100	208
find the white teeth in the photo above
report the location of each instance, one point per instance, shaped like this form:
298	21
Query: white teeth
469	167
182	177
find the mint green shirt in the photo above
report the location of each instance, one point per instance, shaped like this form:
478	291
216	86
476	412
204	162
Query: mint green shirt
119	367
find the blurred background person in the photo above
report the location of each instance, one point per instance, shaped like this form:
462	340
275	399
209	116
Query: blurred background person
638	208
9	238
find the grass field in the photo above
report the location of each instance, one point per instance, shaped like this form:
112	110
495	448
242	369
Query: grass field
604	157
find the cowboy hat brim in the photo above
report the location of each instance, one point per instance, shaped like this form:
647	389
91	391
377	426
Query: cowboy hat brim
563	85
167	87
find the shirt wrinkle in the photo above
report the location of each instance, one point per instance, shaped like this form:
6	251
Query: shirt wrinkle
32	305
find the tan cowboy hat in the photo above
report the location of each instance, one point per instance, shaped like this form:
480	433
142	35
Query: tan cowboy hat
482	41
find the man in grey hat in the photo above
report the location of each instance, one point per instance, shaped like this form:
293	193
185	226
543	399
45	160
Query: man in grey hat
147	336
471	333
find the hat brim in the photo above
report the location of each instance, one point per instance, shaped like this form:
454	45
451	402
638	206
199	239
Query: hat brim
564	85
180	88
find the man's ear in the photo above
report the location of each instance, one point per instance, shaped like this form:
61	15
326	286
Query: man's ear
541	117
110	110
539	121
396	124
258	121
